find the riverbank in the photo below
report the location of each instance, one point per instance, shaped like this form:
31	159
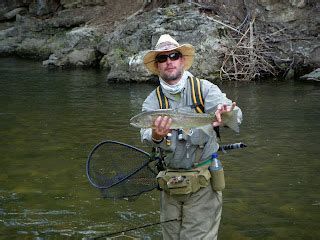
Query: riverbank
240	42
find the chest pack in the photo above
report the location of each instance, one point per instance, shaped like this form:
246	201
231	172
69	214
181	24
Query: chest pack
196	96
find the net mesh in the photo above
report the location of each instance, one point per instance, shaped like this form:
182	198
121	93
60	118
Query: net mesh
120	170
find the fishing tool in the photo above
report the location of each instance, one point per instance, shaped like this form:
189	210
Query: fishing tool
120	170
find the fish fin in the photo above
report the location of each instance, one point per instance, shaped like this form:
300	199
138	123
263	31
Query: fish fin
230	119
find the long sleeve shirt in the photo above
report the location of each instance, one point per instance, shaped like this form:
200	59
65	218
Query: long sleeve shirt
182	153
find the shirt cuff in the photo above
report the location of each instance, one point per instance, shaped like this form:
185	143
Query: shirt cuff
157	141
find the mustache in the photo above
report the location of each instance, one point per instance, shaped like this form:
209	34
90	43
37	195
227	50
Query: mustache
170	67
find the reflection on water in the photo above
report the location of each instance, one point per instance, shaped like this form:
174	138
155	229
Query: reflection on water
49	121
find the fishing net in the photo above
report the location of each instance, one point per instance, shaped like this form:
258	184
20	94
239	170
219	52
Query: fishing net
120	170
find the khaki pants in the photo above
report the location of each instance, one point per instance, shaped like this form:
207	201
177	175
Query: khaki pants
200	215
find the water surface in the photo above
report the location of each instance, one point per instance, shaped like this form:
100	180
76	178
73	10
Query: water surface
50	119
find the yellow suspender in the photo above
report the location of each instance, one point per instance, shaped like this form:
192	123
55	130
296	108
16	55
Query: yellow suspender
163	100
196	96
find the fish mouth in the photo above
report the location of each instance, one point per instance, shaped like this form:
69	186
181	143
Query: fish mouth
134	124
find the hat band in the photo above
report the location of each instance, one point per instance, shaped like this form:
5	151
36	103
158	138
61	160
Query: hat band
165	46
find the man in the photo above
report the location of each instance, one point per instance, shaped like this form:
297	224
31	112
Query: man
198	212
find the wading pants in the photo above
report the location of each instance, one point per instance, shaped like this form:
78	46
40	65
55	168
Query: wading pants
200	215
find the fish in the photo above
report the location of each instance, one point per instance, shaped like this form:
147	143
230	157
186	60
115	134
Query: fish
182	119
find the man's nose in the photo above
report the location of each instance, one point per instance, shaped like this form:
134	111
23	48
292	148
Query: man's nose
169	61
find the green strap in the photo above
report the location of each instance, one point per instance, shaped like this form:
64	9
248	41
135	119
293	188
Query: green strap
205	162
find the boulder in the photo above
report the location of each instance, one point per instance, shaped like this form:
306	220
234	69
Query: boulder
13	13
74	58
82	37
82	58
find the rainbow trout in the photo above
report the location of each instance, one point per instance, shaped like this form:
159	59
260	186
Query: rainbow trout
184	120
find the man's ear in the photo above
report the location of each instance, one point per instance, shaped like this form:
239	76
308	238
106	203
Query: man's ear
183	60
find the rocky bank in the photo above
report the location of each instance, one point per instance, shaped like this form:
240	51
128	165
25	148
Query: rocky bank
261	38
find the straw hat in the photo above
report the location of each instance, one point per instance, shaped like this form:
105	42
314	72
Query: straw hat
165	44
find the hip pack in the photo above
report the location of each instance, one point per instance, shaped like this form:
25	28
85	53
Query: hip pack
183	182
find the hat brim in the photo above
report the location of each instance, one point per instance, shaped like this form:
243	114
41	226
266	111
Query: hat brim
187	51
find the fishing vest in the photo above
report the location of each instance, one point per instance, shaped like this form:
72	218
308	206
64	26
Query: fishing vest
196	96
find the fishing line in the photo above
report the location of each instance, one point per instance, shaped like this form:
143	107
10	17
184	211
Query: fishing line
135	228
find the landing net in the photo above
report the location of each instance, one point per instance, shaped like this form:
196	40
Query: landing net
120	170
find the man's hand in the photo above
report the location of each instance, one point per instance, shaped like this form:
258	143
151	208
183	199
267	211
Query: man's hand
222	109
161	127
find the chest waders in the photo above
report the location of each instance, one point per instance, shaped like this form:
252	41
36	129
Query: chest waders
184	182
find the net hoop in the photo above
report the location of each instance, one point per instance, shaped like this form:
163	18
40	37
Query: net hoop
121	180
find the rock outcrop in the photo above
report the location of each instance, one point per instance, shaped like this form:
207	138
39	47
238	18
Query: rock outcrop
96	33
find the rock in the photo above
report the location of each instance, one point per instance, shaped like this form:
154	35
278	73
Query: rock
33	48
74	57
72	17
43	7
81	36
136	67
313	76
82	58
298	3
315	56
53	61
9	32
125	46
8	41
8	47
12	14
87	34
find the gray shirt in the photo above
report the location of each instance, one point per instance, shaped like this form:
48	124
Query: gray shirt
181	153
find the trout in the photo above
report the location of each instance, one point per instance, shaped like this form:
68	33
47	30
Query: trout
184	120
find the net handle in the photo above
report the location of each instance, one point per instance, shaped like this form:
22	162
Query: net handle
114	142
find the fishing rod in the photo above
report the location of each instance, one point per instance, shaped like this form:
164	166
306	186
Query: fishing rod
132	229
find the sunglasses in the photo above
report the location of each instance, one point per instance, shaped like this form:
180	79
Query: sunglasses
164	57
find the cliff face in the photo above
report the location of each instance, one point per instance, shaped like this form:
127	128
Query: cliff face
271	36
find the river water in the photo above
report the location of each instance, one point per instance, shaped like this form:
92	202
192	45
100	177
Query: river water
51	119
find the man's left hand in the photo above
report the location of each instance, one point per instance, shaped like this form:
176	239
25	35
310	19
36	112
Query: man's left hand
222	109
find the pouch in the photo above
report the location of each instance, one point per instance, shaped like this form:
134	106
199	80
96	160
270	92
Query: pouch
183	182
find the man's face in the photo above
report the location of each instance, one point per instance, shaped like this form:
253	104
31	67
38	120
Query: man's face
172	69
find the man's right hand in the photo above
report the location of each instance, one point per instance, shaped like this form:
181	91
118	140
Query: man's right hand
161	127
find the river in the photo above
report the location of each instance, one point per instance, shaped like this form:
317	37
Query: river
51	119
